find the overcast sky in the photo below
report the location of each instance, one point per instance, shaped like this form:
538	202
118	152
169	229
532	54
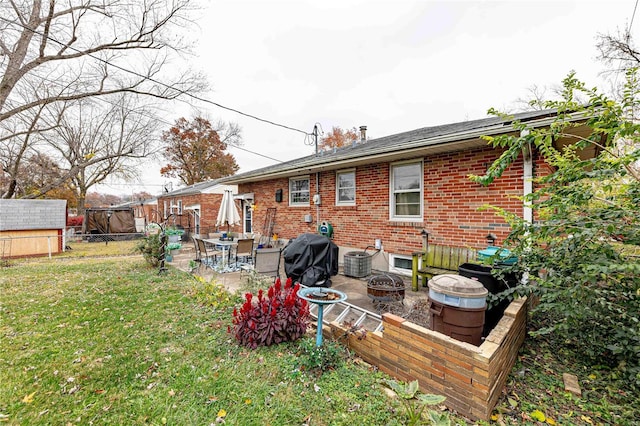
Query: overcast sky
392	65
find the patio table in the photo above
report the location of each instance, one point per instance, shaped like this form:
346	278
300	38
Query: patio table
225	245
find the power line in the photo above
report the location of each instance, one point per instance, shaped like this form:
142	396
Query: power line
633	15
148	115
180	91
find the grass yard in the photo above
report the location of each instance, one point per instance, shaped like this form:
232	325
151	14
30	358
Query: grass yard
88	339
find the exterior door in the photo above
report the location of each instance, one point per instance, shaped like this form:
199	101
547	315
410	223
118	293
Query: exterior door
248	222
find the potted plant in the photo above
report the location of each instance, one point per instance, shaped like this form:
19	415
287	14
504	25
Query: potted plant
173	248
174	234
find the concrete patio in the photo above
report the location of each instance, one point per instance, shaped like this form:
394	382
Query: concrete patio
355	288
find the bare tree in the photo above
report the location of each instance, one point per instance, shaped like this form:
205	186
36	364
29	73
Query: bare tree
56	52
96	140
618	51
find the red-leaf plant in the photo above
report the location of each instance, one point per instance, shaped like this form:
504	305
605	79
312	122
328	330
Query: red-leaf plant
281	316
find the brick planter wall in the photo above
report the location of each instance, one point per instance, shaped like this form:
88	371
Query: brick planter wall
471	377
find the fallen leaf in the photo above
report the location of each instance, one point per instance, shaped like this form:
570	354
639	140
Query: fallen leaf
587	419
538	415
28	399
74	389
222	413
172	392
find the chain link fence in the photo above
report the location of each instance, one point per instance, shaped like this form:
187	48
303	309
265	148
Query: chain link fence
17	245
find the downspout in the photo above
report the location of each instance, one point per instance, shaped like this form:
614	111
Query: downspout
527	187
317	203
527	154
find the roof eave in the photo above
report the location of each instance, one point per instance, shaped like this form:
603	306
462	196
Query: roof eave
416	148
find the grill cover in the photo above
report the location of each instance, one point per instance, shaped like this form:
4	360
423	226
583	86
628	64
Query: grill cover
311	260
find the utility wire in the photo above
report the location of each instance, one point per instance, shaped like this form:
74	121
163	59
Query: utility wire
180	91
633	15
160	119
103	99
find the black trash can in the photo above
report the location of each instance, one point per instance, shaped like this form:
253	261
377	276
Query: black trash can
494	285
483	274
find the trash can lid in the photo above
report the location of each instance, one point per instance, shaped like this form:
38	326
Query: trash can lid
457	285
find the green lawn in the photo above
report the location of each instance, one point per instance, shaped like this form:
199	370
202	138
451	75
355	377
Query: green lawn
94	340
111	342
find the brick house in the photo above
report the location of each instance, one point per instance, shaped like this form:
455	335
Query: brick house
195	208
393	187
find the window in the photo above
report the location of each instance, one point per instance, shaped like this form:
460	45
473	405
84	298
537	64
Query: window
179	206
400	264
299	191
346	188
406	191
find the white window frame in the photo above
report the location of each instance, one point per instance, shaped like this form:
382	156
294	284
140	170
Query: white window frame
179	206
400	271
392	192
291	192
338	201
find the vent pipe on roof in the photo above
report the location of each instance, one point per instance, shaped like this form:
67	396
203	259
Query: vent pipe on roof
363	133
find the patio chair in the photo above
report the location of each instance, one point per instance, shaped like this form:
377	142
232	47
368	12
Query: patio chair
244	250
208	257
266	262
197	249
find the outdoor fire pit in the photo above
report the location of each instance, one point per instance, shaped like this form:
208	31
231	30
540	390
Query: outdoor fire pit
386	288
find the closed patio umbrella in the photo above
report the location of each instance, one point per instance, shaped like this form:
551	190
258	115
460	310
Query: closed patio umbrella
228	212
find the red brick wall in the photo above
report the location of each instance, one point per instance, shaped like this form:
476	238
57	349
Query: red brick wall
451	203
209	206
471	377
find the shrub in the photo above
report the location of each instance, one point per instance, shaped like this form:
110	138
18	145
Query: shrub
579	254
279	317
150	247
